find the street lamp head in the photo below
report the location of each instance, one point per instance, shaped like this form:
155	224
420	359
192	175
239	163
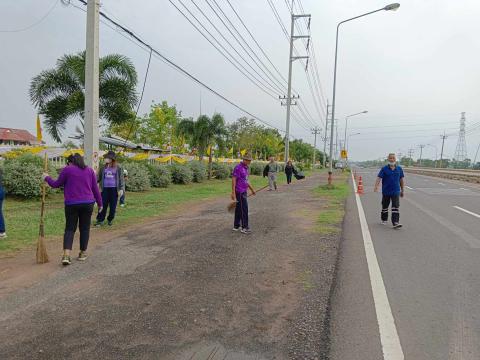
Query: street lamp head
392	7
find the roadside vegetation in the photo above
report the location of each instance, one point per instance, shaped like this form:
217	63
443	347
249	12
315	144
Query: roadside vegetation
334	196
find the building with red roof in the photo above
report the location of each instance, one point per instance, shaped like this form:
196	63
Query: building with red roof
20	137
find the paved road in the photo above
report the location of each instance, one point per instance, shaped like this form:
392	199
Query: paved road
430	269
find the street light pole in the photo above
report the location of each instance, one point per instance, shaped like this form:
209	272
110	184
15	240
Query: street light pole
390	7
346	125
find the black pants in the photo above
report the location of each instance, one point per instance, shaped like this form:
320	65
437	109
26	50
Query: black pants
241	211
109	199
395	199
289	178
81	215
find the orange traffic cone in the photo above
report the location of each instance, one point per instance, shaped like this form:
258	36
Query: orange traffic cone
360	186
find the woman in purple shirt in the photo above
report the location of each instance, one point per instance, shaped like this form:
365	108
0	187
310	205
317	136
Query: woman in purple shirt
80	193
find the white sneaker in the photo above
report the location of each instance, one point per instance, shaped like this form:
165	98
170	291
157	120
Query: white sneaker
236	229
384	222
3	235
246	231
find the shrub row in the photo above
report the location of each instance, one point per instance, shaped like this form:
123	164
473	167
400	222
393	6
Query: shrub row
22	175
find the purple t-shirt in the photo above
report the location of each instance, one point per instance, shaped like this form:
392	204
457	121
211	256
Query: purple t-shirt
241	174
110	177
80	185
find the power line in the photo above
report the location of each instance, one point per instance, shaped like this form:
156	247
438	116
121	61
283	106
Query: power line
229	58
270	75
271	83
38	22
180	69
256	42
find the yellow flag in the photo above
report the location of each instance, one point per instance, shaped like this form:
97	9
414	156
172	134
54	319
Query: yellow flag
209	150
39	129
230	151
243	152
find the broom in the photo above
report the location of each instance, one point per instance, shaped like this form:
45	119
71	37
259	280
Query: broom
233	204
42	256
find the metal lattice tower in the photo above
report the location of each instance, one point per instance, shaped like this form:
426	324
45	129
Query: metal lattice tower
461	150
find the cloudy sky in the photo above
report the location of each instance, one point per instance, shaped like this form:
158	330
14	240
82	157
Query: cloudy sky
415	70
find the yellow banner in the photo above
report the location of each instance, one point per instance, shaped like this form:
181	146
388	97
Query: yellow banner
142	156
72	151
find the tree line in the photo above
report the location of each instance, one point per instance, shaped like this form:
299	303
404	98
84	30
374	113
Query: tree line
59	95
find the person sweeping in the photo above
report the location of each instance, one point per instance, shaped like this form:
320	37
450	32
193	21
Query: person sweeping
240	186
80	194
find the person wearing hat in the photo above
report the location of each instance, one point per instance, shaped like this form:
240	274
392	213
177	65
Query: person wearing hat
240	186
112	185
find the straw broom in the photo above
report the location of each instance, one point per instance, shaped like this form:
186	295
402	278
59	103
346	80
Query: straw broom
42	256
233	204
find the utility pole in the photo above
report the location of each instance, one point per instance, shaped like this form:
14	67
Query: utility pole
291	59
443	137
315	131
421	151
325	138
410	155
336	139
476	154
91	145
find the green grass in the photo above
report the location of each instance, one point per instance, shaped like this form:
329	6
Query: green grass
22	216
330	217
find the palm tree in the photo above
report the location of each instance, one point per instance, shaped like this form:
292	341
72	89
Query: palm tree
59	93
204	134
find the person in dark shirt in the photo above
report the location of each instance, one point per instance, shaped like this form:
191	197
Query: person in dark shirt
392	178
289	171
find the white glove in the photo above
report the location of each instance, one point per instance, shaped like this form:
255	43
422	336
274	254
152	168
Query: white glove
44	176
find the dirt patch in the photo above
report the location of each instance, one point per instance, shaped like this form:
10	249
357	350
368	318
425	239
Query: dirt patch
187	287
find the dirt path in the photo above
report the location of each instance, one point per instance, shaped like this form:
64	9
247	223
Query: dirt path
187	288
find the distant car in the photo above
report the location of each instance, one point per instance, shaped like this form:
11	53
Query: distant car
339	165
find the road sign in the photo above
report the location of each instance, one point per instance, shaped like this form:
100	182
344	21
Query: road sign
344	154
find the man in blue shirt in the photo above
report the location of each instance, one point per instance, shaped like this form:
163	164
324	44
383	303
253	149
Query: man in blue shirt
393	184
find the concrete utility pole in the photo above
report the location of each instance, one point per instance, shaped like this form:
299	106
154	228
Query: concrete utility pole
325	138
291	59
315	131
421	151
410	155
443	137
91	145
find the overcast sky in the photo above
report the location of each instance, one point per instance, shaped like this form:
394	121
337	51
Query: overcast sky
415	70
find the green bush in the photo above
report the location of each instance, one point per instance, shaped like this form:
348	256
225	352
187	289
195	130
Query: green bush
181	174
138	177
256	168
221	171
160	176
22	176
199	171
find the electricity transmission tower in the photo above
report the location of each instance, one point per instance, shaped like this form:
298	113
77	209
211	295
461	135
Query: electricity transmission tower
461	150
291	59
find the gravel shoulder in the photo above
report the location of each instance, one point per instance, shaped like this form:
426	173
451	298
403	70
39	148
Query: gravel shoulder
186	287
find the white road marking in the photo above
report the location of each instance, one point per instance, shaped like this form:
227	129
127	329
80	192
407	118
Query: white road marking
458	231
408	187
466	211
441	184
463	189
391	347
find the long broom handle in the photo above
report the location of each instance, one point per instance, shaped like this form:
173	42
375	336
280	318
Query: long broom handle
44	191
